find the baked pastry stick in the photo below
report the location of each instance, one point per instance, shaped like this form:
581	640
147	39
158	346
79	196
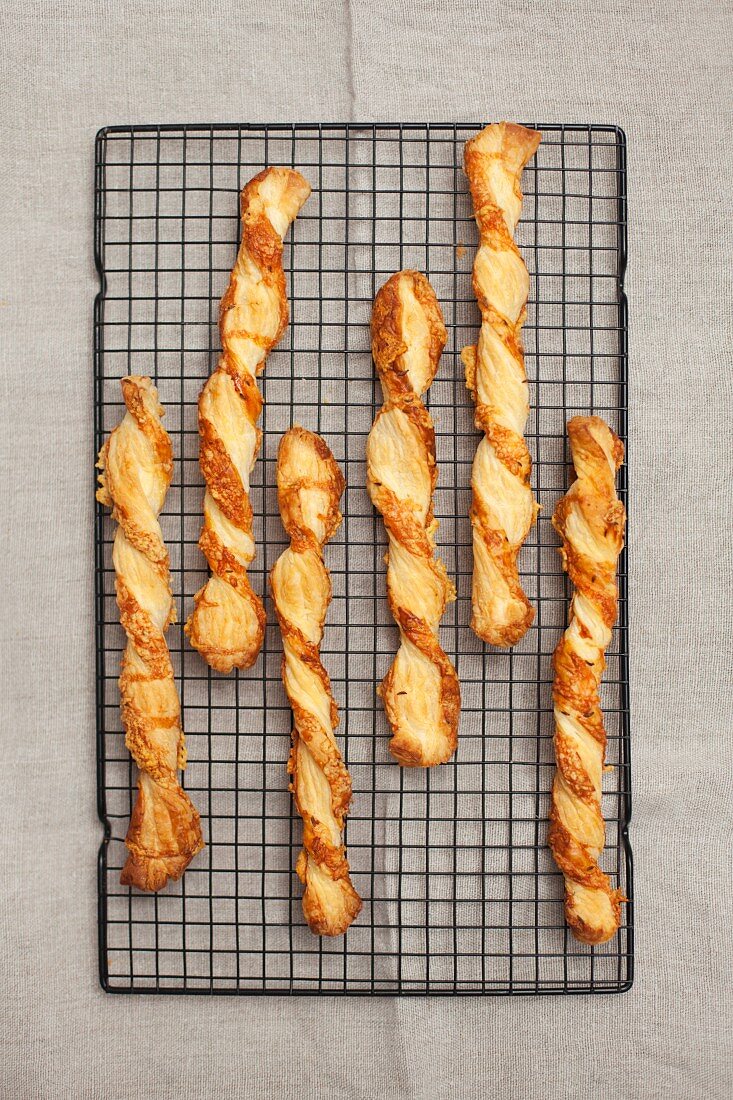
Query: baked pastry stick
136	467
309	486
503	508
590	520
421	693
228	621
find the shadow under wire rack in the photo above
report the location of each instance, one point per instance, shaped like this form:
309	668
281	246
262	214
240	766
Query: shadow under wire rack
460	892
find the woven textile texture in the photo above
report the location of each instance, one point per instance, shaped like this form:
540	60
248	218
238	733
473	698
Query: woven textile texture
662	72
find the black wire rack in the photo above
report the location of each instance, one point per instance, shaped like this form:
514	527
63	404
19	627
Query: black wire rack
460	892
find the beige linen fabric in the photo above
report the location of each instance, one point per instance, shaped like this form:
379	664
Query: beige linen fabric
662	71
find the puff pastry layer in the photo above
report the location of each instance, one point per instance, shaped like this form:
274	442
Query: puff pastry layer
503	508
136	467
310	486
228	621
421	693
590	520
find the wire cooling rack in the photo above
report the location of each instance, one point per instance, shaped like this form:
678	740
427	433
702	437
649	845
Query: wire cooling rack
460	892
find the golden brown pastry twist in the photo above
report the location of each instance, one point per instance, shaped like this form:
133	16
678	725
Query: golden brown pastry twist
421	692
136	464
310	485
503	508
228	621
590	521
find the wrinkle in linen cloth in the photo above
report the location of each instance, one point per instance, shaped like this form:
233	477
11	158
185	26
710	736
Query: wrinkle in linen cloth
660	70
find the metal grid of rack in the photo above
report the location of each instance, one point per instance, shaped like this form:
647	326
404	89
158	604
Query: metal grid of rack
460	892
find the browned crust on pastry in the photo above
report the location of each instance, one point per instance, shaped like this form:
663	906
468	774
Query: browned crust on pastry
231	636
330	902
291	484
388	338
504	621
165	831
515	145
175	841
390	352
592	505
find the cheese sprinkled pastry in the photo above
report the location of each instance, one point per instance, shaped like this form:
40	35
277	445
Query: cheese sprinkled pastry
421	692
590	520
503	508
136	467
309	486
228	621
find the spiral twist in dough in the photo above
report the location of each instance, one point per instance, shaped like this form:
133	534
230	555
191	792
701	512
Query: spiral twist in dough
310	486
136	468
503	508
228	621
590	520
421	693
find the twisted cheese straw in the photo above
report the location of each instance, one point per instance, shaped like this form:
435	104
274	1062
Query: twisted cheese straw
421	692
503	509
590	520
228	621
136	464
310	485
